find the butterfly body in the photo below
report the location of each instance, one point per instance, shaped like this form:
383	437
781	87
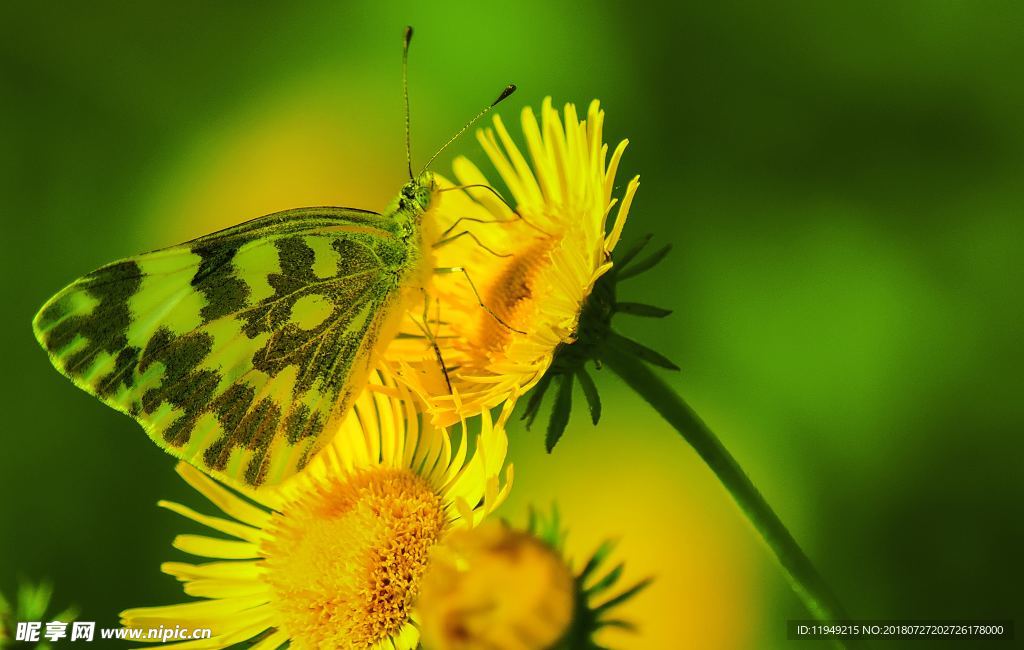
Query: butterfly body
241	350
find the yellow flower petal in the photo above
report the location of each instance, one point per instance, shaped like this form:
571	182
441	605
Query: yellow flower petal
215	548
218	588
225	570
336	558
533	268
229	503
194	613
241	531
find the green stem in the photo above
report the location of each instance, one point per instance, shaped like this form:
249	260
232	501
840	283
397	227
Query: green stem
809	586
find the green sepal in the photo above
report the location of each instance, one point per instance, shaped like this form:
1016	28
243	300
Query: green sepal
626	272
640	351
640	309
536	399
590	392
617	600
622	261
560	412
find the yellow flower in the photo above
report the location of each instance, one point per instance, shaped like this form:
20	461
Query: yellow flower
496	588
333	557
532	269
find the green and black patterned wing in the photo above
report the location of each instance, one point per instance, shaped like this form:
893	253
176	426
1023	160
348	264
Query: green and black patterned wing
238	351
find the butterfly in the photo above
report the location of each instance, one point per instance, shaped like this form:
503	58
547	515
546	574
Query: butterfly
240	351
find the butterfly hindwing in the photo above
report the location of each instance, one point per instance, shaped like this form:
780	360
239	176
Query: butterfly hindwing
236	351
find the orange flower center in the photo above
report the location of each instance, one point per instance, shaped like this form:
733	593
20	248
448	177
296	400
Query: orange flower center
513	297
344	560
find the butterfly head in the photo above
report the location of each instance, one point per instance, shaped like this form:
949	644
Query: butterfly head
416	194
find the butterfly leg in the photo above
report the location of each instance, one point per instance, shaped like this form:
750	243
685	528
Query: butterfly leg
518	217
479	300
466	233
447	231
424	327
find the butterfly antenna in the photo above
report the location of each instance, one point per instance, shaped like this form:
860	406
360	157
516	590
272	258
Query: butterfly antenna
405	90
509	89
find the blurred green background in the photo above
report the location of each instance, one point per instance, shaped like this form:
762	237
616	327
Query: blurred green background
842	183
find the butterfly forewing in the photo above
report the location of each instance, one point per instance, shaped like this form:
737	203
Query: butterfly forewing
237	351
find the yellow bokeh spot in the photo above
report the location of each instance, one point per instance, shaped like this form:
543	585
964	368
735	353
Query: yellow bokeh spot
630	480
290	153
494	588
